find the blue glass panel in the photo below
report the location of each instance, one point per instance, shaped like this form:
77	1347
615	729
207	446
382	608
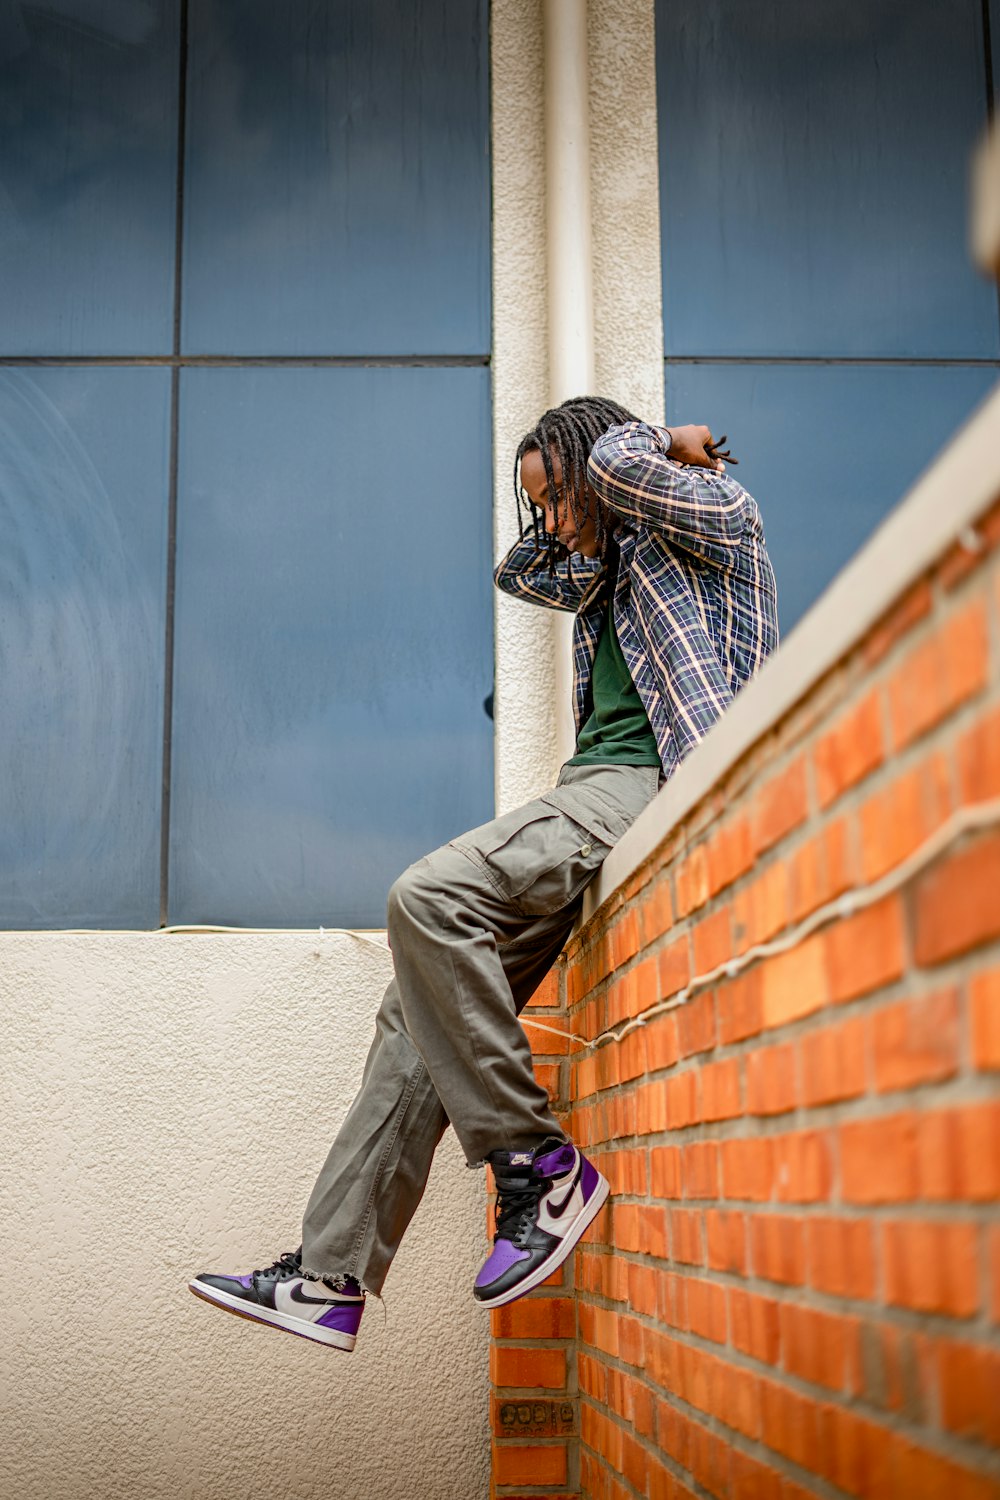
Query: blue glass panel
826	450
83	512
337	185
813	178
88	120
334	637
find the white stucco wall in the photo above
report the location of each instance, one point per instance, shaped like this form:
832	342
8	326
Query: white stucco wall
167	1099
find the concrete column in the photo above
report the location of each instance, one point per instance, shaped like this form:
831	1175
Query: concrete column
569	257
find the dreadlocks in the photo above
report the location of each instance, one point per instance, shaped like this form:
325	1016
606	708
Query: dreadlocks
570	431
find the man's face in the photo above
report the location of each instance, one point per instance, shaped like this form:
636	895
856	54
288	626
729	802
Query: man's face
556	511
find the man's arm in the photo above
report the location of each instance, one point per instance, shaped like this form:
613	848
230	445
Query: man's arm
524	573
691	505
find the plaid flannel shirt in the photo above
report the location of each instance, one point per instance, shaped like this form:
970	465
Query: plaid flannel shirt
695	604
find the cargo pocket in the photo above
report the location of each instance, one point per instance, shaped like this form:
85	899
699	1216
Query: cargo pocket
538	858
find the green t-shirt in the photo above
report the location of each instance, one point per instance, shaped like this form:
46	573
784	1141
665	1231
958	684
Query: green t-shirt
618	731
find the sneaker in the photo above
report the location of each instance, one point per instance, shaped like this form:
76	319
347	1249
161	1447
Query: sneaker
545	1200
282	1296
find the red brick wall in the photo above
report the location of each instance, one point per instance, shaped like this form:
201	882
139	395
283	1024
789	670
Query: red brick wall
795	1289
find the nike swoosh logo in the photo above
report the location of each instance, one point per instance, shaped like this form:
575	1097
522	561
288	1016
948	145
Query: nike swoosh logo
296	1294
556	1210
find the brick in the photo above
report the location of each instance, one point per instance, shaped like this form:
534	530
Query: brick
958	1154
660	1484
682	1100
729	853
789	1424
747	1169
547	993
760	909
780	805
922	1475
978	757
931	1267
777	1249
652	1230
623	938
535	1318
803	1171
674	967
582	1077
851	749
665	1171
754	1325
833	1062
685	1237
541	1463
866	951
969	1382
700	1169
696	1025
720	1090
642	1288
878	1159
794	984
630	1341
939	673
984	1001
697	1377
899	817
955	904
656	914
898	621
633	1463
854	1454
547	1077
706	1310
642	1408
691	881
725	1239
712	942
772	1083
821	1348
916	1041
895	1370
536	1417
528	1368
819	870
662	1050
751	1480
660	1358
739	1007
710	1462
650	1109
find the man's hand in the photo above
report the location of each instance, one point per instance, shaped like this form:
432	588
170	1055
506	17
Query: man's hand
695	445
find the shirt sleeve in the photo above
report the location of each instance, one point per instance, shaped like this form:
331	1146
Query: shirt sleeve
524	573
693	507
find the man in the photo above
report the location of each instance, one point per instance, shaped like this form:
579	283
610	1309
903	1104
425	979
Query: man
660	555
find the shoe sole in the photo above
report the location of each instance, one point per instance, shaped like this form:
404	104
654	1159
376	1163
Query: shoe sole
567	1245
329	1337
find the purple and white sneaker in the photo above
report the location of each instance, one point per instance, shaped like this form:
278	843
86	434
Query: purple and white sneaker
545	1200
282	1296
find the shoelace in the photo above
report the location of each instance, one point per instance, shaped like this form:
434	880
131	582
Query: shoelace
289	1263
517	1199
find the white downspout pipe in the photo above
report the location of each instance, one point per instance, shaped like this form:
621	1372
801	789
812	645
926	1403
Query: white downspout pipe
569	261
